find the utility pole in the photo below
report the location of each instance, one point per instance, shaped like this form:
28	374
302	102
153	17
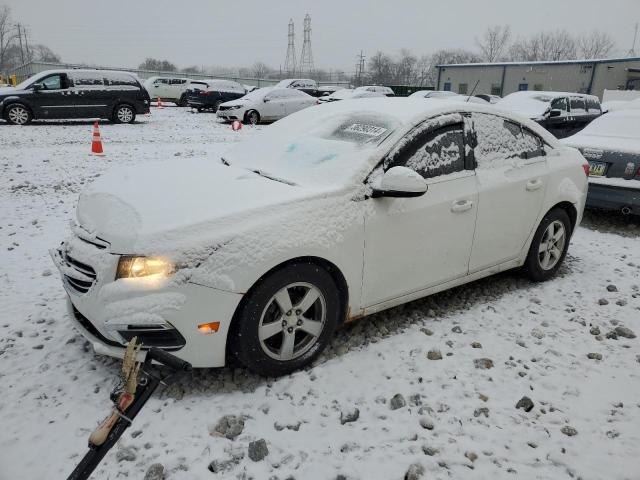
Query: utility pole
20	40
360	67
632	52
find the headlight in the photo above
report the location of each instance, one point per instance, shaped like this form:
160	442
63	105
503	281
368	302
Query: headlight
235	107
136	267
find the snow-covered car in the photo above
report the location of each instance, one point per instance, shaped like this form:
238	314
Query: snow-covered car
265	105
563	114
210	94
349	94
432	94
304	84
489	98
330	214
171	89
453	97
611	144
387	91
325	90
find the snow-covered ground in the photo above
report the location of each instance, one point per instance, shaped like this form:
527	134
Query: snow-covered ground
455	420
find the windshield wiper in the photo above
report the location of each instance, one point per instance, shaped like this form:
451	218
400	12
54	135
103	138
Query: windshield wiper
275	179
225	161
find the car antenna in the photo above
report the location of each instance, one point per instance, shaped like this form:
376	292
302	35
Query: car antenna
474	89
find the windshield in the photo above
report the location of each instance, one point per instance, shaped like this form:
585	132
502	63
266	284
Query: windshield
310	149
622	124
257	94
341	94
30	80
527	104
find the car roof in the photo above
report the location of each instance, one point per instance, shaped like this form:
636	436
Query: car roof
82	70
537	93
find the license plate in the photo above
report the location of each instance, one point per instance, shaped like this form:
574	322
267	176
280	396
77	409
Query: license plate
597	169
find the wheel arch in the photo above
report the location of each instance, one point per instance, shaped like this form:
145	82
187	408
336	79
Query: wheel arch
330	267
8	102
571	210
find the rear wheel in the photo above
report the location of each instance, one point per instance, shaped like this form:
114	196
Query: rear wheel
549	246
18	114
252	117
124	114
287	320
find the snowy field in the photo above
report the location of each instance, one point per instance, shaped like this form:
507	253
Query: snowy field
454	420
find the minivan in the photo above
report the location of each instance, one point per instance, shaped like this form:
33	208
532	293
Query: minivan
62	94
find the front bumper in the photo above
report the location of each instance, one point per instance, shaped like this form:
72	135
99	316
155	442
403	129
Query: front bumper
110	312
230	115
608	197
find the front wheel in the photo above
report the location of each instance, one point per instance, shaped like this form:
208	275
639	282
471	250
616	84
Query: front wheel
287	320
124	114
18	114
252	117
183	102
549	246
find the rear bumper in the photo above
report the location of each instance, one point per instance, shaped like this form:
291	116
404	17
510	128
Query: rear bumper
609	197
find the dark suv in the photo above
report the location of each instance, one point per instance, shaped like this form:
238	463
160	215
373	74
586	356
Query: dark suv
60	94
210	94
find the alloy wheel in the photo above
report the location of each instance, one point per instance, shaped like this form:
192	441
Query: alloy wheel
552	245
18	115
125	114
253	118
292	321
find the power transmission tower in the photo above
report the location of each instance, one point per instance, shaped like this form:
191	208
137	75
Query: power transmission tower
632	52
306	59
290	62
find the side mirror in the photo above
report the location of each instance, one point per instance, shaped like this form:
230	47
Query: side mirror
36	87
265	99
555	113
400	182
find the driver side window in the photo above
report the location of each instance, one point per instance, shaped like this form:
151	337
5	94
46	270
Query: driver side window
433	152
52	82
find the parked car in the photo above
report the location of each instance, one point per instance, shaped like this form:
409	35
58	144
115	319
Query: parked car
304	84
210	94
266	105
563	114
325	90
489	98
171	89
454	97
611	144
333	213
387	91
432	94
62	94
349	94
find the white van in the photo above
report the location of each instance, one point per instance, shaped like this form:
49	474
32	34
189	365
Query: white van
170	89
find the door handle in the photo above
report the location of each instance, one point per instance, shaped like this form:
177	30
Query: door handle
461	206
534	184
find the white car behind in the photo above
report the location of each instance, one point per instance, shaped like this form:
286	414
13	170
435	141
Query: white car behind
349	94
331	214
265	105
171	89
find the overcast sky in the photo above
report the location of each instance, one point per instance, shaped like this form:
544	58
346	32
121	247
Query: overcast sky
238	33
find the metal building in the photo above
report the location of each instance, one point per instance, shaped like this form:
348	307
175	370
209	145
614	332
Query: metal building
581	76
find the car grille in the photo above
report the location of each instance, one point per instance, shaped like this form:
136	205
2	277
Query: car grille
221	107
86	278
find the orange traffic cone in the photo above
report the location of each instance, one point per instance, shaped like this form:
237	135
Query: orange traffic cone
96	141
160	103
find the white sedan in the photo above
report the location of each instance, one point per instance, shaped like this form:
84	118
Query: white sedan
265	105
331	214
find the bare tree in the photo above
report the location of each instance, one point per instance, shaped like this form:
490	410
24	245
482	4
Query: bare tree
405	68
381	68
595	44
554	46
260	69
7	36
42	53
494	42
158	65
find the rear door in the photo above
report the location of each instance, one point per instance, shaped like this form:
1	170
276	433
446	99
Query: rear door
159	88
579	116
512	175
295	100
559	125
89	94
54	98
273	106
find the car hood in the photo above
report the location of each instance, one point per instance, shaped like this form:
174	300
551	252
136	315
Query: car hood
8	91
153	207
234	103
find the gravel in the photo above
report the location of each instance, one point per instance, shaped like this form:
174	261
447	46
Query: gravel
483	363
594	356
397	401
624	332
258	450
126	454
155	472
415	472
569	431
349	415
525	403
434	355
229	426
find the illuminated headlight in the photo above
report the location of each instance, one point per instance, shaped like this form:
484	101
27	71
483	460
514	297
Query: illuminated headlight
136	267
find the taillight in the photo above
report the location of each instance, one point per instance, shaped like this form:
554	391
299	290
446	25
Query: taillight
638	172
585	167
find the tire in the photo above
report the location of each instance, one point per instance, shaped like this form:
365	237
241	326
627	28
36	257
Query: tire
549	246
252	117
18	114
216	106
183	102
273	340
124	113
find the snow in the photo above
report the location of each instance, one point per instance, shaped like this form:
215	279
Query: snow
617	131
55	389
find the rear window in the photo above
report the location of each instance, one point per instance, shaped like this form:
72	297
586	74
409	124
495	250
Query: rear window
593	106
577	105
199	85
120	80
87	79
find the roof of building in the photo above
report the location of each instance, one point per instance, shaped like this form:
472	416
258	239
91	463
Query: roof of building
559	62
